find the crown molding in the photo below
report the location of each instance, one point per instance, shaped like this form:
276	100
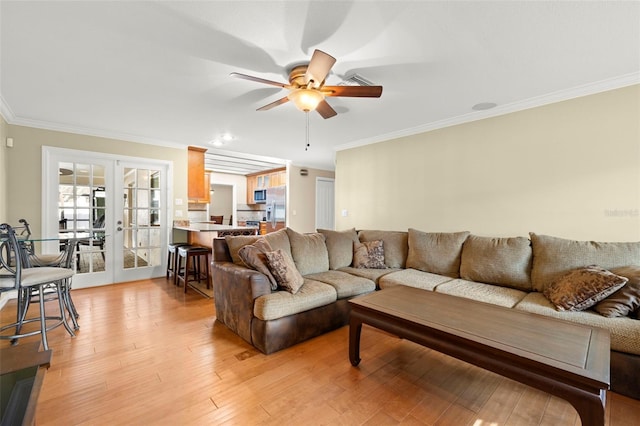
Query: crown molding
550	98
5	111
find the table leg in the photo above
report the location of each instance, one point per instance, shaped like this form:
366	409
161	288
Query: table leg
355	329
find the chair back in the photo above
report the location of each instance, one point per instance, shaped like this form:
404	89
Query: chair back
217	219
11	259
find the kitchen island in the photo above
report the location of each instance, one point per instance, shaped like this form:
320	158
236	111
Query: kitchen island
203	233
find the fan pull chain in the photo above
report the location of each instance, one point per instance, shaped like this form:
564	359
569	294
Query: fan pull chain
306	148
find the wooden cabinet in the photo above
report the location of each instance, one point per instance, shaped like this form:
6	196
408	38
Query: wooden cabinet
264	180
198	180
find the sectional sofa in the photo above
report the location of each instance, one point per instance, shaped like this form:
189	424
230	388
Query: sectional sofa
510	272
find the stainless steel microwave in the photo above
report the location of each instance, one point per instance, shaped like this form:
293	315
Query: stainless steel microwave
260	196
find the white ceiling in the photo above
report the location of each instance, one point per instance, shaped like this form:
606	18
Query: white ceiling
158	72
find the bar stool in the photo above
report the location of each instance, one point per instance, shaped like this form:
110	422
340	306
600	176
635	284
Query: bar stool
172	260
192	256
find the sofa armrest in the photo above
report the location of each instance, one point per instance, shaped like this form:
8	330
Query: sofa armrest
234	290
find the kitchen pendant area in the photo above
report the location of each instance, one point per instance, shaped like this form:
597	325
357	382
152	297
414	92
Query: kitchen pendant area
242	190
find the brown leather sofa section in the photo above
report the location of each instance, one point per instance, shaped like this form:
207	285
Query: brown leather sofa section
624	374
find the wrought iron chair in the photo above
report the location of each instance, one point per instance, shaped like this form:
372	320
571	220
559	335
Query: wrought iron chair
16	276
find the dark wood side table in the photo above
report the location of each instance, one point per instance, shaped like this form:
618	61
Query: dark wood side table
22	370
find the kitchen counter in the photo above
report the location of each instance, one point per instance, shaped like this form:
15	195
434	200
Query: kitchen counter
212	227
203	233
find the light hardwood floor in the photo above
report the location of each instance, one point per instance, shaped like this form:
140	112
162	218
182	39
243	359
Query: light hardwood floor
147	354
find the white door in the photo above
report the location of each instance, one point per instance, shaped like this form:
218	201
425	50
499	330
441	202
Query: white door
115	206
325	203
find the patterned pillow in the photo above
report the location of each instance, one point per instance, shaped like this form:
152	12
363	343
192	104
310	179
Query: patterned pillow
254	257
625	301
284	271
369	254
582	288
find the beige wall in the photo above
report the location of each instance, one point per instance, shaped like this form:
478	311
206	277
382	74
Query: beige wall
24	166
301	210
3	172
569	169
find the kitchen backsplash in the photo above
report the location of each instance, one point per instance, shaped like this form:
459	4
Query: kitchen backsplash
250	212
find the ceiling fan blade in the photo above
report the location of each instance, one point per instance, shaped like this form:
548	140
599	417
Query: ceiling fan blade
257	79
325	110
353	91
274	104
318	68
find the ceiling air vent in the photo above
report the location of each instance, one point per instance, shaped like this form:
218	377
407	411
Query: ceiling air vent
356	80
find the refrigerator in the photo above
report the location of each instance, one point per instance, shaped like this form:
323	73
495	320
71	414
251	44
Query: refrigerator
276	205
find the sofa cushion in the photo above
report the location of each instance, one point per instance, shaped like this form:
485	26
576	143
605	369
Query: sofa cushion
279	240
346	285
412	278
280	304
284	271
501	261
436	252
582	288
554	257
369	254
488	293
340	246
395	245
236	242
253	256
625	301
625	332
371	274
309	252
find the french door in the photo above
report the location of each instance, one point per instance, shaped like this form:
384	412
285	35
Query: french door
114	208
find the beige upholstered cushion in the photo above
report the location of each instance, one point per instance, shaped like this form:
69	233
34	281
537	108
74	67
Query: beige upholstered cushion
369	255
438	253
279	240
253	255
309	252
346	285
625	301
280	304
625	332
370	274
412	278
582	288
496	295
236	242
395	246
554	257
284	270
340	246
501	261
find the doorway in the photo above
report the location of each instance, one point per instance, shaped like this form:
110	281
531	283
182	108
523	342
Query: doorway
114	208
325	203
221	203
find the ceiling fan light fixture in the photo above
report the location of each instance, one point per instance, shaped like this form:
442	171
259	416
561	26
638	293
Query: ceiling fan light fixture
305	99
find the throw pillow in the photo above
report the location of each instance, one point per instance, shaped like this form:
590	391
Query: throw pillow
309	252
625	301
254	257
438	253
284	271
340	246
582	288
369	254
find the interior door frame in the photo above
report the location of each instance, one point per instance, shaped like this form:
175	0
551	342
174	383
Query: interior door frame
49	222
319	201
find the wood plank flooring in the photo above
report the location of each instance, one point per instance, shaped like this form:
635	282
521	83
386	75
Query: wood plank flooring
148	354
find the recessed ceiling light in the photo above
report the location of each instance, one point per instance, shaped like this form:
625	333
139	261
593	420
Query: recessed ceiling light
227	137
483	106
216	142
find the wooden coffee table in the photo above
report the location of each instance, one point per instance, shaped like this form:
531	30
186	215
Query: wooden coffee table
565	359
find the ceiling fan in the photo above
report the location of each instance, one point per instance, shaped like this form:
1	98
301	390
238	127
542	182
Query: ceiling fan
306	86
